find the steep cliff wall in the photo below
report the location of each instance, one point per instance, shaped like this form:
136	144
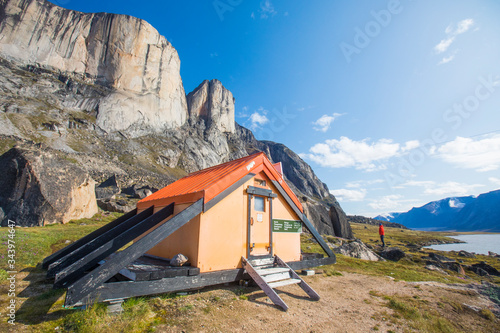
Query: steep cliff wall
114	51
105	92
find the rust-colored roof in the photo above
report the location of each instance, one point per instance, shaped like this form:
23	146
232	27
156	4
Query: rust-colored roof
210	182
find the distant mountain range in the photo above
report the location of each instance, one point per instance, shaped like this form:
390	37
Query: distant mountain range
481	213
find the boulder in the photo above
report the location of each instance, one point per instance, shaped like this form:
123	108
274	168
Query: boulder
357	249
40	188
392	253
482	266
178	260
436	269
107	189
139	192
112	205
465	254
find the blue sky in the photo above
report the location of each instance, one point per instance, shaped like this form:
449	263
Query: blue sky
393	103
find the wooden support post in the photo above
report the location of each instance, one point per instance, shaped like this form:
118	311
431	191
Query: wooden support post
84	240
92	280
74	271
304	220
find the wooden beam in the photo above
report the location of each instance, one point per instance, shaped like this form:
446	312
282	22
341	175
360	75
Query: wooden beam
317	236
127	289
85	249
261	191
92	280
74	271
304	220
298	265
86	239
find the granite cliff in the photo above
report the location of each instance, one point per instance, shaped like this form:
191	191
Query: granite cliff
104	92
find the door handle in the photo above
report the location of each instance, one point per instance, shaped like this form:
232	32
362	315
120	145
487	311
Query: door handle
251	221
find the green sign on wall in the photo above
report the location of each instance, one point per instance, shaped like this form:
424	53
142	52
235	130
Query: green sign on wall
286	226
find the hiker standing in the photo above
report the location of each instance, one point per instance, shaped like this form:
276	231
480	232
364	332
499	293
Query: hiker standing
381	232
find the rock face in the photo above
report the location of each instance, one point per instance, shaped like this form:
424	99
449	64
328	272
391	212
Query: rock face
119	52
392	253
39	188
213	103
357	249
104	91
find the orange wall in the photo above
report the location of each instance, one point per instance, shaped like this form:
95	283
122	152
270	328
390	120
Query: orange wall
184	240
217	239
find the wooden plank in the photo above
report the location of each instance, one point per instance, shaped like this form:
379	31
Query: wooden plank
134	289
269	291
74	271
85	249
309	291
298	265
276	276
86	239
304	220
91	281
317	236
218	198
274	270
261	191
284	283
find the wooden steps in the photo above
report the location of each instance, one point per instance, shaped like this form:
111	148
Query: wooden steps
272	272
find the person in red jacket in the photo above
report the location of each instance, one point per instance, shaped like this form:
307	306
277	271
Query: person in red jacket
381	232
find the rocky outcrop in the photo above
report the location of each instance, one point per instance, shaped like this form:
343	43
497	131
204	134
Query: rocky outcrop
392	253
214	104
119	52
357	249
39	188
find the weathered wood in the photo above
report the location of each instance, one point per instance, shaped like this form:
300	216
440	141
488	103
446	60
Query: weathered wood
304	220
134	289
261	191
298	265
85	249
86	239
73	272
269	291
91	281
309	291
227	191
283	283
317	236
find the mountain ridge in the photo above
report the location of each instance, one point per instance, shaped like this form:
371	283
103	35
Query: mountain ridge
468	213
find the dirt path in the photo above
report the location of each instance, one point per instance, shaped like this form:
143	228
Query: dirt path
349	303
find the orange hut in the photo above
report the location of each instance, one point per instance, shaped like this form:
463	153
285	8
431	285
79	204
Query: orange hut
249	211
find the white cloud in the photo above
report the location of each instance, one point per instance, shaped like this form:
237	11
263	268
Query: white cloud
324	122
346	195
444	45
362	183
446	60
267	9
214	55
363	155
393	203
451	35
257	120
387	203
482	154
494	180
451	189
464	25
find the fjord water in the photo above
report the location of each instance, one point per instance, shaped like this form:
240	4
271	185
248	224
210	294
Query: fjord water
480	244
